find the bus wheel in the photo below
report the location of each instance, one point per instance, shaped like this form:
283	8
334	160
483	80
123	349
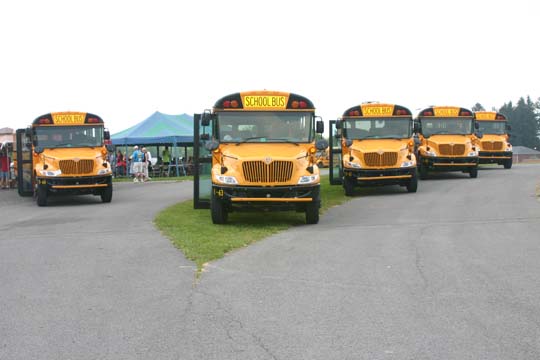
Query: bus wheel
312	212
508	164
42	195
413	183
348	185
219	212
473	173
106	195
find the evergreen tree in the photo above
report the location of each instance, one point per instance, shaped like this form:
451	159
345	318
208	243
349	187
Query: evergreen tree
478	107
524	121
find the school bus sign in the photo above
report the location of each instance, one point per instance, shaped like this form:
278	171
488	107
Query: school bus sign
377	110
68	118
265	102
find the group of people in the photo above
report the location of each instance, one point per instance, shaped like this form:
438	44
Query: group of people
139	163
141	160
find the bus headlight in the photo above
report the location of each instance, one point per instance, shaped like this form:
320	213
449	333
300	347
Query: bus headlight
230	180
430	153
352	164
472	153
407	164
309	179
51	172
104	171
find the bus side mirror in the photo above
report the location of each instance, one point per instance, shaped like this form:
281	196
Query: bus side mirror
28	132
339	125
321	144
204	137
206	117
212	145
319	127
110	148
476	126
106	135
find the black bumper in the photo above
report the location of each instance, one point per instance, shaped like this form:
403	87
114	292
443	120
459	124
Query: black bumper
76	185
375	177
267	197
498	157
449	163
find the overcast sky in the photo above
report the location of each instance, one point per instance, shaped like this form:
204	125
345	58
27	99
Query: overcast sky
124	60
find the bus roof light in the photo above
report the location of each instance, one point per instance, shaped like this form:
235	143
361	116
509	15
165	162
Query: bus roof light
295	104
226	103
44	121
465	113
303	105
234	103
92	120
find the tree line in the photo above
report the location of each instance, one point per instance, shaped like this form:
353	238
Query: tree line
524	118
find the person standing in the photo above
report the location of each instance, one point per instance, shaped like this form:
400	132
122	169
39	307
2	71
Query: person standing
166	156
4	168
146	163
137	158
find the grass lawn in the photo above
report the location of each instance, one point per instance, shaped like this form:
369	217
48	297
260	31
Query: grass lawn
201	241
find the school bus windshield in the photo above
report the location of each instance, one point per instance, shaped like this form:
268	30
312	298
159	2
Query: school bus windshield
444	126
377	128
492	127
238	127
69	136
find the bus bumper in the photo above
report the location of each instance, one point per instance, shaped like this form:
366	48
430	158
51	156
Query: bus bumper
375	177
267	197
76	185
494	157
450	163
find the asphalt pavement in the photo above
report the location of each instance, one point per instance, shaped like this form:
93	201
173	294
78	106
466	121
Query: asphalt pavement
450	272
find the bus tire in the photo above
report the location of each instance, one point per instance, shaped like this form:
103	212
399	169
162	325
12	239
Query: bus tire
473	173
412	186
508	164
348	185
218	210
41	197
106	195
312	212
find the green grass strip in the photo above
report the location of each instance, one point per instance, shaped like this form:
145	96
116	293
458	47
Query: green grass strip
201	241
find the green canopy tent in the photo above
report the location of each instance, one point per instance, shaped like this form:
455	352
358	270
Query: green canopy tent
159	129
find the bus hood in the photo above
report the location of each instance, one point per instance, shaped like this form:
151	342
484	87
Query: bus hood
381	145
448	139
73	153
250	152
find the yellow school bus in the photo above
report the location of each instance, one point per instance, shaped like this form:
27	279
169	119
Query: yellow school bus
64	153
447	140
376	147
258	150
495	147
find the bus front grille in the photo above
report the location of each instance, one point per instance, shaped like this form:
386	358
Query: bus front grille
449	149
72	167
260	172
492	145
378	160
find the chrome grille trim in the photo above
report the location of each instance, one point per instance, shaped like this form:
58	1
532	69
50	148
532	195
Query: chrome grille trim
72	167
260	172
456	149
378	160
